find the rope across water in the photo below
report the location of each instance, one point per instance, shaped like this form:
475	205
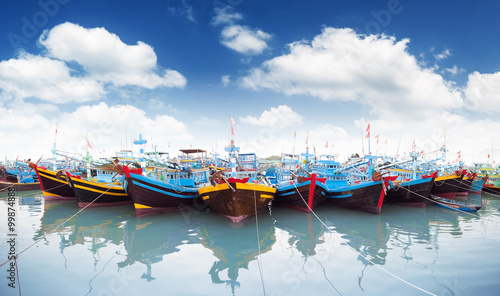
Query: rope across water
361	255
55	228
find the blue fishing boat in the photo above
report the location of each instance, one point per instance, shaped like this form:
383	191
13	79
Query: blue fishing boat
19	176
170	189
353	185
478	184
455	205
407	186
296	186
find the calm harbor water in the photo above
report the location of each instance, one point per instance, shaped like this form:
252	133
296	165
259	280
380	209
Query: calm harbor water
109	251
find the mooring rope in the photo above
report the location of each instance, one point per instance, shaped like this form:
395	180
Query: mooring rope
6	188
364	257
258	239
437	202
57	227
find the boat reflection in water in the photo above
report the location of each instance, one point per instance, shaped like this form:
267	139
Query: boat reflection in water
305	230
148	239
235	245
93	227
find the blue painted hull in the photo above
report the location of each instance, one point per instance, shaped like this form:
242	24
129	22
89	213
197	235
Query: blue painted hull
366	196
477	184
152	196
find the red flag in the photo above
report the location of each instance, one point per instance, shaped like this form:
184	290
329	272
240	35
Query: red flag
232	130
368	131
88	144
458	155
232	121
377	137
326	145
488	156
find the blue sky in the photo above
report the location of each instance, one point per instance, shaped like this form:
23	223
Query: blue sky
178	71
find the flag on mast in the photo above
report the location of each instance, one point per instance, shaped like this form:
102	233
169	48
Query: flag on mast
88	143
368	131
232	123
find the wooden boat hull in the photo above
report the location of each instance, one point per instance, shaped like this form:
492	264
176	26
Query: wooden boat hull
96	194
366	197
491	189
20	186
153	196
446	186
54	187
246	200
478	184
465	185
456	205
304	196
413	193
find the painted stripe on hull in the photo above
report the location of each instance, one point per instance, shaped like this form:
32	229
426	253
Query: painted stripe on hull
52	187
150	198
247	199
366	197
446	186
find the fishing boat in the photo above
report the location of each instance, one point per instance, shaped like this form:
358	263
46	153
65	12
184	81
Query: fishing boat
19	177
94	193
491	189
301	193
478	184
54	185
237	198
296	187
173	188
243	193
446	185
464	187
350	185
489	176
413	192
455	204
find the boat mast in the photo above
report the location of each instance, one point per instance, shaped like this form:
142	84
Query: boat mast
142	142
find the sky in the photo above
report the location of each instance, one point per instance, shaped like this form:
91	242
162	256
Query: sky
94	75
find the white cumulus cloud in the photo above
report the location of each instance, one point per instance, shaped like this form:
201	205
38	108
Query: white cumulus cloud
276	118
375	70
483	92
47	79
243	39
106	58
